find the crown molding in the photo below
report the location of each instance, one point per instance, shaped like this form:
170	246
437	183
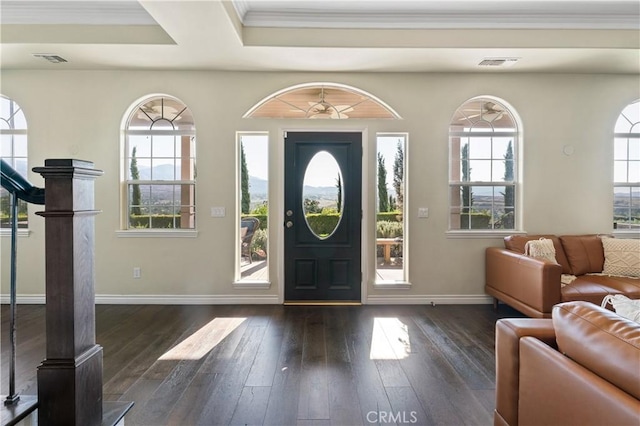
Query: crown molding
435	15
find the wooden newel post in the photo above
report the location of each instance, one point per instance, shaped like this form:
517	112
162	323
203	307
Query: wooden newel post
70	377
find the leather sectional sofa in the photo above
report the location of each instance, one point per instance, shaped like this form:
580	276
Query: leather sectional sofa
582	367
533	286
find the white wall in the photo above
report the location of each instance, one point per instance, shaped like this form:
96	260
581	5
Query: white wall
78	114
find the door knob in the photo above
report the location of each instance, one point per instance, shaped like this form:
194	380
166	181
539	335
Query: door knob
289	224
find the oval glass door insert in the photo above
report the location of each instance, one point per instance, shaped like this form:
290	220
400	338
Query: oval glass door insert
322	195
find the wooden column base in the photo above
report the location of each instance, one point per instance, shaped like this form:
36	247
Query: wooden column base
70	390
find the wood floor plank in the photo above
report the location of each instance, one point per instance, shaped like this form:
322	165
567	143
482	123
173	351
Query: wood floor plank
314	387
252	406
344	403
282	408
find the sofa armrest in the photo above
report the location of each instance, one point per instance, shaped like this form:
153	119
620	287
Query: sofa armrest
508	335
528	284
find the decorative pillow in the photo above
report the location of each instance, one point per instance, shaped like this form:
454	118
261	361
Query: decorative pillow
621	257
517	242
541	249
584	253
625	307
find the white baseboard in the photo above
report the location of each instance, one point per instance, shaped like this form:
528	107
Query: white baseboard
425	299
23	299
248	299
183	299
158	299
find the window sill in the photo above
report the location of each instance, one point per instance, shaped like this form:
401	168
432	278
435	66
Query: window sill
626	233
157	233
392	285
477	234
251	285
22	232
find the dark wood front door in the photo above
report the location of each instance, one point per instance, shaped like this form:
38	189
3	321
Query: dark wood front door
323	254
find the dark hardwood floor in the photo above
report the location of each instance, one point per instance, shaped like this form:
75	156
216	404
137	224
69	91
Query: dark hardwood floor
285	365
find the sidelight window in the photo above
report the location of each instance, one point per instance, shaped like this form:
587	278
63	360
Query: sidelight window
391	205
253	208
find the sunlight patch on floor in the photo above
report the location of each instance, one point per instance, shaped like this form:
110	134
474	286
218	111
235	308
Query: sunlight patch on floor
204	340
390	339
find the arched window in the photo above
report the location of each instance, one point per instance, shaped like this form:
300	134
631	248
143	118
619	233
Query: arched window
626	169
13	149
159	156
483	161
322	101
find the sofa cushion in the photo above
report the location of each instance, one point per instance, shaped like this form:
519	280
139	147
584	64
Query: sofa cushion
595	287
621	257
601	341
517	243
584	253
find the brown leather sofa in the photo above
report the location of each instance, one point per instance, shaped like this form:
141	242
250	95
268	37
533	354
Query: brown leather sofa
582	367
533	286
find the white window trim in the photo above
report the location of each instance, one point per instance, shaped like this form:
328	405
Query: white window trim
157	233
22	232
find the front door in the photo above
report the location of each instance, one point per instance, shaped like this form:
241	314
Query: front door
323	213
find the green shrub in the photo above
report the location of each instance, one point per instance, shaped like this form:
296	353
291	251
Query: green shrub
157	221
259	243
323	224
478	221
390	216
388	229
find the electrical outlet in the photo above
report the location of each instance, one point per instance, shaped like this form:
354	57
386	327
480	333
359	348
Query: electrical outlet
137	272
423	212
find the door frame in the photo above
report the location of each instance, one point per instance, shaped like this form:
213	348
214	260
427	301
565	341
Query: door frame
365	223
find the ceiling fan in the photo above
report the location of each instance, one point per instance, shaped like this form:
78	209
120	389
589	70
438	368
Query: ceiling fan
323	109
488	112
159	111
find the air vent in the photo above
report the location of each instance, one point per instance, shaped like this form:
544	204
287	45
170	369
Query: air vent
54	59
498	62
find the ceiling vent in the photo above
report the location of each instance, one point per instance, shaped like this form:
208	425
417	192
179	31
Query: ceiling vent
498	62
54	59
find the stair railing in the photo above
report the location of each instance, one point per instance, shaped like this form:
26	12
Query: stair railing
19	189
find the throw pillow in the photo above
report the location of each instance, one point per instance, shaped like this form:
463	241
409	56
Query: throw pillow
541	249
625	307
584	253
621	257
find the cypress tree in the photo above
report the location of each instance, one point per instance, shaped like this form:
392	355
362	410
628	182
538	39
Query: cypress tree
136	196
383	197
245	203
398	176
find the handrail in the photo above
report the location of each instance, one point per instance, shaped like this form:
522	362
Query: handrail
15	183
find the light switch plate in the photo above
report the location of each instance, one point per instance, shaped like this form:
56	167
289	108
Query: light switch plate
217	212
423	212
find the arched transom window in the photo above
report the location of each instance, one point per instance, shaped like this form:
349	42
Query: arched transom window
626	169
13	150
322	101
483	177
160	165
